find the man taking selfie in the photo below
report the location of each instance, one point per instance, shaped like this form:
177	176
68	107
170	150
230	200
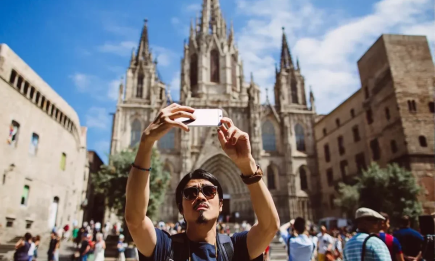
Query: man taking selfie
199	198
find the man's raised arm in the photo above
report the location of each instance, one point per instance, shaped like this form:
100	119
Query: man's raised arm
138	187
236	145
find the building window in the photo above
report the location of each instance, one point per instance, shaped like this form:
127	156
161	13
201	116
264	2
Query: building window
139	90
387	113
330	177
268	136
25	196
360	162
326	150
29	224
355	132
63	161
33	149
234	72
431	107
53	108
303	177
193	70
331	201
270	178
136	130
352	113
38	95
294	90
369	116
324	131
422	140
26	88
376	150
393	146
32	92
14	128
19	82
43	103
340	141
412	106
214	66
10	222
366	92
12	77
300	137
167	142
344	169
337	122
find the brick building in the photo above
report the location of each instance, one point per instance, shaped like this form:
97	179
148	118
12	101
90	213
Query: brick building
389	119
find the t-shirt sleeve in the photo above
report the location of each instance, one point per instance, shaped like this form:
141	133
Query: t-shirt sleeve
162	249
397	248
241	247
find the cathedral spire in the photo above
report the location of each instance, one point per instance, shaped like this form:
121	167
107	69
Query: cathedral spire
286	58
143	51
297	63
231	36
192	29
211	17
133	57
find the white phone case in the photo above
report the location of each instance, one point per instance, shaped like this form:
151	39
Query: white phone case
204	118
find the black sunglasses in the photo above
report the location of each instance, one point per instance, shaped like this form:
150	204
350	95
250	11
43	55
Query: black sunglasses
192	193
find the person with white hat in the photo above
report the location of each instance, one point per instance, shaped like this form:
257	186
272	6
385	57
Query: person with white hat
366	245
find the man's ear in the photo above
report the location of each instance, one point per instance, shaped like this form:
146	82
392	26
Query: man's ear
221	203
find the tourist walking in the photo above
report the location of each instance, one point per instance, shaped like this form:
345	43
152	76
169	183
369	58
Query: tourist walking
392	243
53	247
324	243
121	248
36	240
100	246
199	197
22	248
84	247
365	244
299	247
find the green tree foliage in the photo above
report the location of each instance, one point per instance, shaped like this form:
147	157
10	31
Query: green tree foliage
111	181
392	190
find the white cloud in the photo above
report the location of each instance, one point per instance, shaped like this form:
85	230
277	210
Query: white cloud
328	47
192	8
122	49
98	118
122	30
175	86
113	90
175	21
81	81
165	56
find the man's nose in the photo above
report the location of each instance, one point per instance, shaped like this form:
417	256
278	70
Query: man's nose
201	196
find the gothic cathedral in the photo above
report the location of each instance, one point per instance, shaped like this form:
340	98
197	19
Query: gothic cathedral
212	76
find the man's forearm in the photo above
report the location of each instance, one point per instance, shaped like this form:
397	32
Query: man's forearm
138	189
263	204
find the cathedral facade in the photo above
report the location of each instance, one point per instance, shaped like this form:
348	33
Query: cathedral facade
212	76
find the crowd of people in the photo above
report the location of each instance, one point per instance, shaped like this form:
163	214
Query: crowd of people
372	240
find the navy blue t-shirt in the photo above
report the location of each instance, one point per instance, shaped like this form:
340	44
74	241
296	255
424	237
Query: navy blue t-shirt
411	241
199	251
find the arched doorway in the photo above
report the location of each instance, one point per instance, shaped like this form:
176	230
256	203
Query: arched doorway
53	213
234	189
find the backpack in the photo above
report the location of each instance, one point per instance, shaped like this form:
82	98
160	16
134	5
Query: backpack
363	252
180	250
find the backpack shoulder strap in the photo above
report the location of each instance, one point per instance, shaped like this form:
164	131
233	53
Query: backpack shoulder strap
363	252
178	247
226	246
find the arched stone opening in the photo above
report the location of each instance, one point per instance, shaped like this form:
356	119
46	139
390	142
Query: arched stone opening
234	190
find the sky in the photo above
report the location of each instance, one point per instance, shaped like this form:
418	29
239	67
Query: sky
82	48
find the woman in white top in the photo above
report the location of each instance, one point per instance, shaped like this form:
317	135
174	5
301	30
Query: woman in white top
100	245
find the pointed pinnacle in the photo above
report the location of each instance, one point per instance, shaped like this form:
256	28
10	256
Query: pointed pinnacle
252	77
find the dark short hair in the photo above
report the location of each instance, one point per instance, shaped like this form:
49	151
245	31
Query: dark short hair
196	174
385	215
299	225
27	236
405	221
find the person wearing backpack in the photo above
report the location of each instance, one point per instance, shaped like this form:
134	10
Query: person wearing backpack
366	245
199	198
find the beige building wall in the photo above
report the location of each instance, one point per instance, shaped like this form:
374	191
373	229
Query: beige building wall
395	70
54	193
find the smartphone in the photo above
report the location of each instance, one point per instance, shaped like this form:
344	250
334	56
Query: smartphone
204	118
